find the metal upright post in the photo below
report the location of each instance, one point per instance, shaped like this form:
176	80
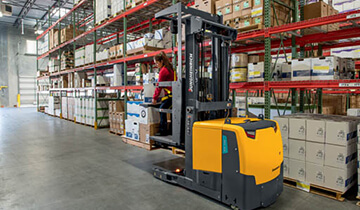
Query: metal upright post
267	64
150	30
293	100
125	64
302	48
301	101
37	70
95	79
174	38
59	42
320	99
295	19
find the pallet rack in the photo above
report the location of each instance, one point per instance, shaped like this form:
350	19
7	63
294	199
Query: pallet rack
288	38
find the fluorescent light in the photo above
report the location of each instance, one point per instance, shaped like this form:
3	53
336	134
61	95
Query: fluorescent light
1	14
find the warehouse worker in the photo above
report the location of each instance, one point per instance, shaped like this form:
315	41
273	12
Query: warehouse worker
166	74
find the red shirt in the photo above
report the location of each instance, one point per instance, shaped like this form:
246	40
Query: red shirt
165	75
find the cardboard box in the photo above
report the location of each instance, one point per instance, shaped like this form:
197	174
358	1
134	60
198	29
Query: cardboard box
315	152
286	167
297	128
147	130
256	72
301	69
286	147
315	174
149	115
340	132
237	9
239	60
325	68
315	130
258	4
297	149
286	71
315	10
118	106
283	125
219	5
340	179
353	112
297	169
254	58
340	156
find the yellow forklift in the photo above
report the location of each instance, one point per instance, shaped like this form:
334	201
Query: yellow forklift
237	161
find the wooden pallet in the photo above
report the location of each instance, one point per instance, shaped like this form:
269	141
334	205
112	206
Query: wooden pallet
251	28
84	124
119	134
101	22
149	147
177	151
317	190
132	6
143	50
358	203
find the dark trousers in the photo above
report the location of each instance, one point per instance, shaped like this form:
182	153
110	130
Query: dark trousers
166	104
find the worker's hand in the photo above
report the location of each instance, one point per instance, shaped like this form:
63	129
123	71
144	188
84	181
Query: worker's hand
154	101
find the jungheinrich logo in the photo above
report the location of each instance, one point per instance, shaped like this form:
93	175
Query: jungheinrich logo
191	73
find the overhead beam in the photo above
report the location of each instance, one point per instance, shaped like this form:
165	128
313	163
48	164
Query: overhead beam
24	11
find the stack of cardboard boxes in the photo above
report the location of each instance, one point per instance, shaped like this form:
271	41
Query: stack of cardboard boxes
142	122
117	117
317	10
320	149
67	60
238	67
67	33
103	10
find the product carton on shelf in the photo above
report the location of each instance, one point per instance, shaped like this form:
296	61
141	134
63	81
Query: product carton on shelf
325	68
147	130
340	156
340	179
286	71
315	174
315	130
286	167
315	153
301	69
341	132
297	128
256	72
297	149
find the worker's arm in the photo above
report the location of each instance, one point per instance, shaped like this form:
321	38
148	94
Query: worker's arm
162	78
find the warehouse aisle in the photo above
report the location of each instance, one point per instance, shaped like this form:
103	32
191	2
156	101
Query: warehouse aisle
48	163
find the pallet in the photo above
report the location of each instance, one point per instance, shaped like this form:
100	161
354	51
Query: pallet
177	151
118	134
84	124
130	6
149	147
143	50
317	190
358	203
116	14
251	28
103	21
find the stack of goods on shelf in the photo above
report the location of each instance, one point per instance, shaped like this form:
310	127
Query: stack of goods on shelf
238	67
354	112
102	55
249	14
140	70
117	6
103	10
85	112
346	5
132	122
117	117
118	75
67	60
100	81
80	57
317	10
240	105
89	54
161	39
205	5
43	45
132	3
256	71
53	38
116	51
64	107
54	65
334	104
149	90
79	80
64	81
53	106
71	79
71	108
320	149
67	33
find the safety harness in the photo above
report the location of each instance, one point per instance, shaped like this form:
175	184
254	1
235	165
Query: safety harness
169	93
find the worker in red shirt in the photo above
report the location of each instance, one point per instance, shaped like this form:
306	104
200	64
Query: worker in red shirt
166	74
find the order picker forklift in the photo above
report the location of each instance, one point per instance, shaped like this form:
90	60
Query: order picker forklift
237	161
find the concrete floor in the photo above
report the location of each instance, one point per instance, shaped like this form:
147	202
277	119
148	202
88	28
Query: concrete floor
48	163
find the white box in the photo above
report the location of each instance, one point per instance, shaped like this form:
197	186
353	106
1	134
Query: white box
149	115
340	156
297	169
315	130
256	72
353	112
324	68
301	69
339	179
135	130
286	71
284	126
315	152
163	34
315	174
297	149
341	132
297	128
118	75
128	128
286	167
286	147
149	90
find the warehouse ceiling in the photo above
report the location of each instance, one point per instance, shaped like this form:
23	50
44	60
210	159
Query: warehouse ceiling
32	10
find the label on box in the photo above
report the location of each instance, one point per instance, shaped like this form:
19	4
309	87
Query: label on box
257	2
227	10
247	23
246	4
258	20
256	12
303	186
237	8
321	69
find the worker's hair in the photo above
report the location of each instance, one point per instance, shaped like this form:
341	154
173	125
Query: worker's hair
162	57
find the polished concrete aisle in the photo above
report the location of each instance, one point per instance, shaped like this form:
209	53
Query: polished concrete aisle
49	163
